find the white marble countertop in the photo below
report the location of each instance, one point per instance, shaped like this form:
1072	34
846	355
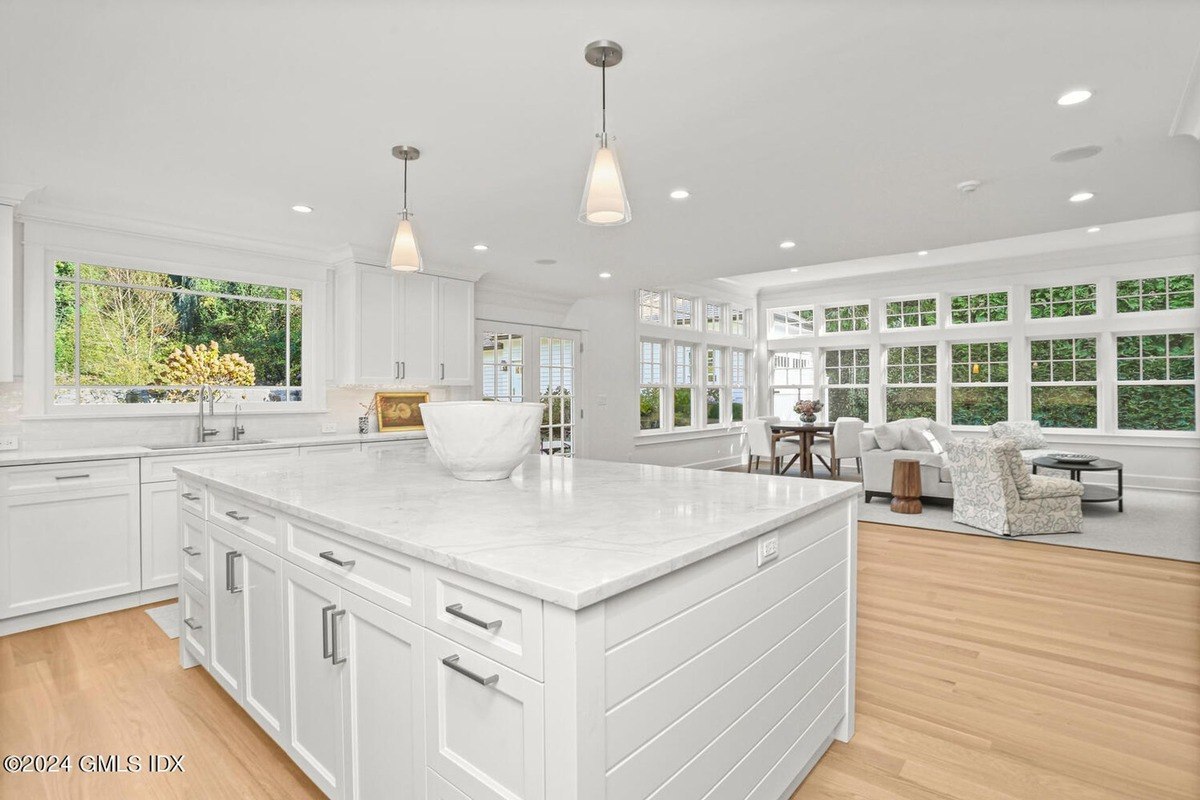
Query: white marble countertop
569	531
16	458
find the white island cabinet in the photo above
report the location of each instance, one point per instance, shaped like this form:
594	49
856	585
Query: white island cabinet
582	631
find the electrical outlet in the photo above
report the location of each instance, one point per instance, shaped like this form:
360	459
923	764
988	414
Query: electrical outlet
768	549
328	427
8	442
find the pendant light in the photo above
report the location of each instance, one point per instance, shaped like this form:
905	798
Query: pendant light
404	255
604	200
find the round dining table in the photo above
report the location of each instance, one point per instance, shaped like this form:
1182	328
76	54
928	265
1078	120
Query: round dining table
804	433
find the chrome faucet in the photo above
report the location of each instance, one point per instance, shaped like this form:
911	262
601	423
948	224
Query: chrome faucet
202	433
238	430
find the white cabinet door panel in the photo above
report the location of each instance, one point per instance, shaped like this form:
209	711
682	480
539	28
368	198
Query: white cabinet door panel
160	534
193	621
384	711
484	724
67	547
456	328
417	331
194	546
377	309
264	678
315	703
226	625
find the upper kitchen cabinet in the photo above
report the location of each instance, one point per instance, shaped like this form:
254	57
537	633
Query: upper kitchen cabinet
405	329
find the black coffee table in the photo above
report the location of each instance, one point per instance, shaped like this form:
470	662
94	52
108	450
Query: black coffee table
1091	492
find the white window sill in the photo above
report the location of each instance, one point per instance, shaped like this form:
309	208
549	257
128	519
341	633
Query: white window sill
644	438
185	411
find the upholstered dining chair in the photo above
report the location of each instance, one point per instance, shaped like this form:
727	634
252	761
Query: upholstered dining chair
832	449
758	438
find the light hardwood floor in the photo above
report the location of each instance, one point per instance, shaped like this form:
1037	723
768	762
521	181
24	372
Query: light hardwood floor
987	670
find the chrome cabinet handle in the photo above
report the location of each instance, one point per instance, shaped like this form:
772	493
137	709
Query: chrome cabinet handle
191	623
329	556
403	370
456	610
236	516
190	496
443	372
395	369
326	651
68	477
191	551
333	629
452	663
230	584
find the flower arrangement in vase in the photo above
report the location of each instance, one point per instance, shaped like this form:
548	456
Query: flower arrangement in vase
807	409
364	422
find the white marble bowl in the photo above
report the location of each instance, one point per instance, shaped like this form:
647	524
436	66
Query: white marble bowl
482	440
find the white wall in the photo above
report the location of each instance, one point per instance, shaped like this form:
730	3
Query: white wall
1152	459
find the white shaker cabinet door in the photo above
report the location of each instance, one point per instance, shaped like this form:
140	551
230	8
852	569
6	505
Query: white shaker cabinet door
59	548
264	679
484	724
160	534
226	625
456	328
378	295
315	703
384	713
418	365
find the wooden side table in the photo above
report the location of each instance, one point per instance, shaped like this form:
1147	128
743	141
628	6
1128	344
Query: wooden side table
906	486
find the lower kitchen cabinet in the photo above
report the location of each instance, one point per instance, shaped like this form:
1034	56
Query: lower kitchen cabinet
160	534
69	542
355	692
246	647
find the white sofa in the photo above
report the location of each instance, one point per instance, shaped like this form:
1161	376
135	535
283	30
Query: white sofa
904	439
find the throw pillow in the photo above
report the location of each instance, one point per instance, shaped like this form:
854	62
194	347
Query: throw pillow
914	439
943	433
1027	435
934	444
888	436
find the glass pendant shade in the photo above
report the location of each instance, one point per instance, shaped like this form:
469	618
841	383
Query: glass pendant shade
405	255
604	200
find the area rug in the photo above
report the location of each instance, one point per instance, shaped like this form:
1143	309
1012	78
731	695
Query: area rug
167	618
1155	523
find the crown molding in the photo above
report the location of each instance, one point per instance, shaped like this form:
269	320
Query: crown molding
13	194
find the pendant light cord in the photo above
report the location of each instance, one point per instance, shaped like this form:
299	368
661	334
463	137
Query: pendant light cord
604	100
406	188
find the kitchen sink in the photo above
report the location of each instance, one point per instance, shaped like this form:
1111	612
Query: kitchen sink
196	445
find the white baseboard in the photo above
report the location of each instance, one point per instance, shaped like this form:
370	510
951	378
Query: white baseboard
717	463
53	616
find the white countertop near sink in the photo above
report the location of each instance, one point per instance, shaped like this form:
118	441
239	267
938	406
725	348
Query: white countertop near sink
15	458
569	531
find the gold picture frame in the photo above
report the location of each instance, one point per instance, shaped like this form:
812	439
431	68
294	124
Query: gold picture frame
400	411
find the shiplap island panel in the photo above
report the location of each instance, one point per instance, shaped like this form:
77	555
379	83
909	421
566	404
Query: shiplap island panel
585	630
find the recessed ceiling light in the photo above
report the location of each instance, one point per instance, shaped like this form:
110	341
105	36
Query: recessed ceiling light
1081	197
606	275
1076	153
1094	229
680	194
1074	97
794	269
788	245
302	209
545	261
922	252
480	247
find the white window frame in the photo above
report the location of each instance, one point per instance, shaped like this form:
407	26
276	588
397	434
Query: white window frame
865	304
812	389
988	306
921	365
854	384
661	385
990	365
1074	361
739	380
885	317
689	381
646	301
716	376
739	321
1194	381
1142	294
1074	301
722	310
693	306
791	320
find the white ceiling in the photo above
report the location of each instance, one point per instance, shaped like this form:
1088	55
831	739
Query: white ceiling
842	126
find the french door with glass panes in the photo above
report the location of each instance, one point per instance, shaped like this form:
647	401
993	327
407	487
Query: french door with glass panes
530	364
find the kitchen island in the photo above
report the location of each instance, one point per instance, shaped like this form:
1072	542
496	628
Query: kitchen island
583	630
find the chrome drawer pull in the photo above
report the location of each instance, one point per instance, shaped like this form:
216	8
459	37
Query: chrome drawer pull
333	648
329	556
456	610
68	477
236	516
452	663
190	496
326	651
191	623
191	551
230	580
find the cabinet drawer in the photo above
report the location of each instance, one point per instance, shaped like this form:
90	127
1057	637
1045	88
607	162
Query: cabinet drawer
382	576
318	450
484	724
438	788
193	621
162	468
193	543
191	495
67	476
496	622
257	523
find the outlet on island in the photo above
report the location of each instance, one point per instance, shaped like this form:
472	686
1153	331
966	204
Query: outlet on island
768	549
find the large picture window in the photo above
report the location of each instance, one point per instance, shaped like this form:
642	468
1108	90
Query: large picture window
1156	382
1063	382
124	336
847	379
978	383
910	382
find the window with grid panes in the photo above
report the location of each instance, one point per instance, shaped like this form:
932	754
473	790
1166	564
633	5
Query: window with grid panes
683	310
978	383
650	306
1162	293
1063	387
716	385
714	317
1156	382
737	384
737	322
910	382
1078	300
791	322
684	386
846	319
918	313
970	309
847	379
650	390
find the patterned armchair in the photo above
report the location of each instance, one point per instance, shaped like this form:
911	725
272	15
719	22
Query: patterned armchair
993	490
